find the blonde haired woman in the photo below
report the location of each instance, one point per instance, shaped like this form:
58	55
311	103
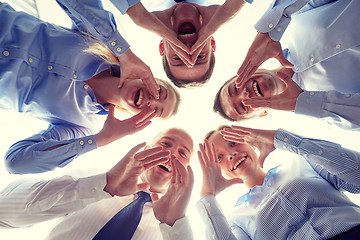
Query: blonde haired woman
44	71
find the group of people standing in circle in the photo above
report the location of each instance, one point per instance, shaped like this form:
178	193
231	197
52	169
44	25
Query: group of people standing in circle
68	77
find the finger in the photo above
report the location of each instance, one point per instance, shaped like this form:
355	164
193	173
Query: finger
234	139
259	102
191	178
186	58
141	127
234	181
143	186
174	172
181	172
111	112
155	163
208	152
143	115
150	83
203	154
155	157
176	42
202	162
144	154
197	53
122	80
213	153
284	77
283	61
154	197
135	149
234	133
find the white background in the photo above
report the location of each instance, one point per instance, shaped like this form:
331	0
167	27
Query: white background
195	113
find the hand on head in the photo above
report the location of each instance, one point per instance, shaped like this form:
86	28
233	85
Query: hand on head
122	179
262	49
285	101
114	128
263	140
213	180
130	64
172	206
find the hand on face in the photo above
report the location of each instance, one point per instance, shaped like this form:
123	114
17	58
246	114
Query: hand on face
285	101
130	64
114	128
172	206
122	179
261	139
262	49
213	180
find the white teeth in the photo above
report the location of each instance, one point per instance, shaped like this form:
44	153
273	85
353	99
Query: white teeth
141	96
240	161
187	35
255	87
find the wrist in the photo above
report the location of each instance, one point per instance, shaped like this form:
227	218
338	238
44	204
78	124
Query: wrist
108	187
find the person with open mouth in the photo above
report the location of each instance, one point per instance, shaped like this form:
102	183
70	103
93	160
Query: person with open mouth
191	63
301	199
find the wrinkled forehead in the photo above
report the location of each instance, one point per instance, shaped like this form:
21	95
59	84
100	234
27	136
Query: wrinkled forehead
177	136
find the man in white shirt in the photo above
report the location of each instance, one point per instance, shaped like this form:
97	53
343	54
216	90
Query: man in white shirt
88	201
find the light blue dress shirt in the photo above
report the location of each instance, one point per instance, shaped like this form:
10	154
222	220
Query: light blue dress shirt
323	43
300	201
42	73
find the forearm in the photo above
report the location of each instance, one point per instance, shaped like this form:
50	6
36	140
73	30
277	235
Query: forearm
341	163
215	221
342	109
97	21
278	16
28	201
48	150
179	231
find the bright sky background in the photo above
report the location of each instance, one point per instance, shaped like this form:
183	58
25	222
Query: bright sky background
195	113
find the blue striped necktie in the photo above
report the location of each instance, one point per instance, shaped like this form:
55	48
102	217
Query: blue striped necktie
124	223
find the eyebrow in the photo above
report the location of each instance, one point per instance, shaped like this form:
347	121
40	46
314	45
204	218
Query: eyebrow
169	138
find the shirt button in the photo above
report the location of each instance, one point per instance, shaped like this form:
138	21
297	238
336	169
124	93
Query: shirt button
312	93
347	95
286	139
271	25
89	141
6	53
113	43
208	204
284	147
50	68
278	29
337	46
30	60
312	59
118	49
81	142
74	76
320	152
86	87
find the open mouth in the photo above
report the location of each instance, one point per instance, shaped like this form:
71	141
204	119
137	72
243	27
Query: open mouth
257	89
165	168
238	163
187	32
139	96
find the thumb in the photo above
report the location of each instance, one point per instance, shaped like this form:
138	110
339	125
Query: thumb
143	186
284	77
111	111
154	197
283	61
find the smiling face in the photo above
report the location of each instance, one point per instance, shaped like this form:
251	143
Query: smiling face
135	97
263	83
237	160
186	21
180	144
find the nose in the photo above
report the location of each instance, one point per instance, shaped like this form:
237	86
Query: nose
232	155
151	101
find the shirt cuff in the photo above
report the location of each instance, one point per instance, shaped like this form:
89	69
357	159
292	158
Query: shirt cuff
117	44
310	103
287	141
93	187
180	230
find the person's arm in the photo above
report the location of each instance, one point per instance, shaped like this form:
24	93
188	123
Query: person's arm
339	166
278	16
341	109
90	16
55	147
28	201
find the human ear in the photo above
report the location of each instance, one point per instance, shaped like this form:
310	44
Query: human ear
264	113
161	48
213	44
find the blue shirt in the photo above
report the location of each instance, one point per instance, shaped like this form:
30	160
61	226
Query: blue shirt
323	43
302	201
42	73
